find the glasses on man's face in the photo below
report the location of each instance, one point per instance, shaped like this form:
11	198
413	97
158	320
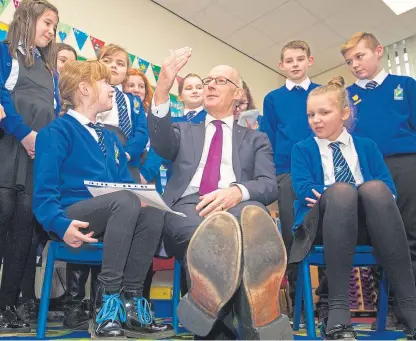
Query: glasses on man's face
243	105
218	81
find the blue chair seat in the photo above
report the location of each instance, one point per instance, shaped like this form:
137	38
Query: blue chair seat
363	256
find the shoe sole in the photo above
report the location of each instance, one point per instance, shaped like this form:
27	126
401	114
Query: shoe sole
263	273
214	265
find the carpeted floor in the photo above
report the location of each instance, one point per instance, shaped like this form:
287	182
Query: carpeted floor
56	332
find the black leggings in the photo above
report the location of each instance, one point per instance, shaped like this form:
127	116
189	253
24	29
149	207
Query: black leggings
16	228
347	215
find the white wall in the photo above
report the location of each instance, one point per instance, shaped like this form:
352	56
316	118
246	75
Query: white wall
149	31
326	76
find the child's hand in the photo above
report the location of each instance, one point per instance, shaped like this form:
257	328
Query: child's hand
2	113
29	143
253	126
73	237
311	201
142	180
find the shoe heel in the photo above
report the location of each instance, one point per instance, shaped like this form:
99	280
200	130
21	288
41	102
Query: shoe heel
279	329
193	319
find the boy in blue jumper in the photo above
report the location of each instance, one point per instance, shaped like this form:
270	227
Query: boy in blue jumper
83	150
385	107
346	196
285	123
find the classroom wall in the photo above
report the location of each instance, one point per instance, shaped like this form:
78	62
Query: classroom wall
150	31
326	76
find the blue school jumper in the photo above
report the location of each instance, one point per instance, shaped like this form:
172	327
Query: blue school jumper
285	122
151	170
307	172
387	114
66	155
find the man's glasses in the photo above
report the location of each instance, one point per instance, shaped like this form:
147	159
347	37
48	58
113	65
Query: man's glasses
218	81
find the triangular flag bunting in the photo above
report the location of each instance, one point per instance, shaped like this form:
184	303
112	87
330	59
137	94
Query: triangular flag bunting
143	65
156	71
16	3
81	58
3	31
132	58
63	31
80	37
179	79
3	5
97	44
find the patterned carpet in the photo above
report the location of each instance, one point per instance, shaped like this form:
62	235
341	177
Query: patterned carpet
55	332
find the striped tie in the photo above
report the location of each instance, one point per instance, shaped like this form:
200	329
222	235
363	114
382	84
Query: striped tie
299	88
190	115
371	85
99	130
123	116
341	169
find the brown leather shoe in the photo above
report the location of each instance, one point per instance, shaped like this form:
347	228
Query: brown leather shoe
257	301
214	265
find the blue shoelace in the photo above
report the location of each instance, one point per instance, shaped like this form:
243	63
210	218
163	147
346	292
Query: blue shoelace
144	312
112	309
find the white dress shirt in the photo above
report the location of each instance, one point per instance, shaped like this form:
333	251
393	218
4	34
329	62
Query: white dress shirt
110	117
379	79
348	151
227	175
84	121
305	84
197	110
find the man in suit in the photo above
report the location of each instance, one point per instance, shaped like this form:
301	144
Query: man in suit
219	166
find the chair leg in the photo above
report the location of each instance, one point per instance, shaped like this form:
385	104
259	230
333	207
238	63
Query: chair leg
298	299
176	295
383	303
309	310
46	292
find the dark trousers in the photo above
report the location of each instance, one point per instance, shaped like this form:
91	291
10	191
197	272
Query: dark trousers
403	171
345	216
176	237
16	228
130	234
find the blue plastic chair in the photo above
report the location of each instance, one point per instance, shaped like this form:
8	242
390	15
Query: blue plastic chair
363	257
87	254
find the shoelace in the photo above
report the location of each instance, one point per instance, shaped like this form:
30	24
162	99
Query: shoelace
144	312
112	309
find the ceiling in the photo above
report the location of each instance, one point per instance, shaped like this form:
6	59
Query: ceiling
259	28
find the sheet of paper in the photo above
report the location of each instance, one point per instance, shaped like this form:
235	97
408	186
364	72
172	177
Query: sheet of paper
147	193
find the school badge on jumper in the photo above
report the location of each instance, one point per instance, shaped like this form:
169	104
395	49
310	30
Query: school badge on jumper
117	154
356	99
398	93
136	106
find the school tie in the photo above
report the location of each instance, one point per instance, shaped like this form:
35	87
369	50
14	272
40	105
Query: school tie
211	174
190	115
371	85
99	130
341	169
123	116
299	88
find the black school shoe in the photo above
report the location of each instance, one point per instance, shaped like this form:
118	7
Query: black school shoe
139	322
338	332
264	265
214	259
10	322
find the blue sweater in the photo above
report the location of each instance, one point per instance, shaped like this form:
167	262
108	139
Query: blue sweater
387	114
285	122
66	155
151	168
308	174
137	141
13	123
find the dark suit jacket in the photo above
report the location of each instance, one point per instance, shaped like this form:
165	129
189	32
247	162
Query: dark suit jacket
182	143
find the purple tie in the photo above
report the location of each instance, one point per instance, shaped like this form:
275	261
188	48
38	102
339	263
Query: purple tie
211	175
